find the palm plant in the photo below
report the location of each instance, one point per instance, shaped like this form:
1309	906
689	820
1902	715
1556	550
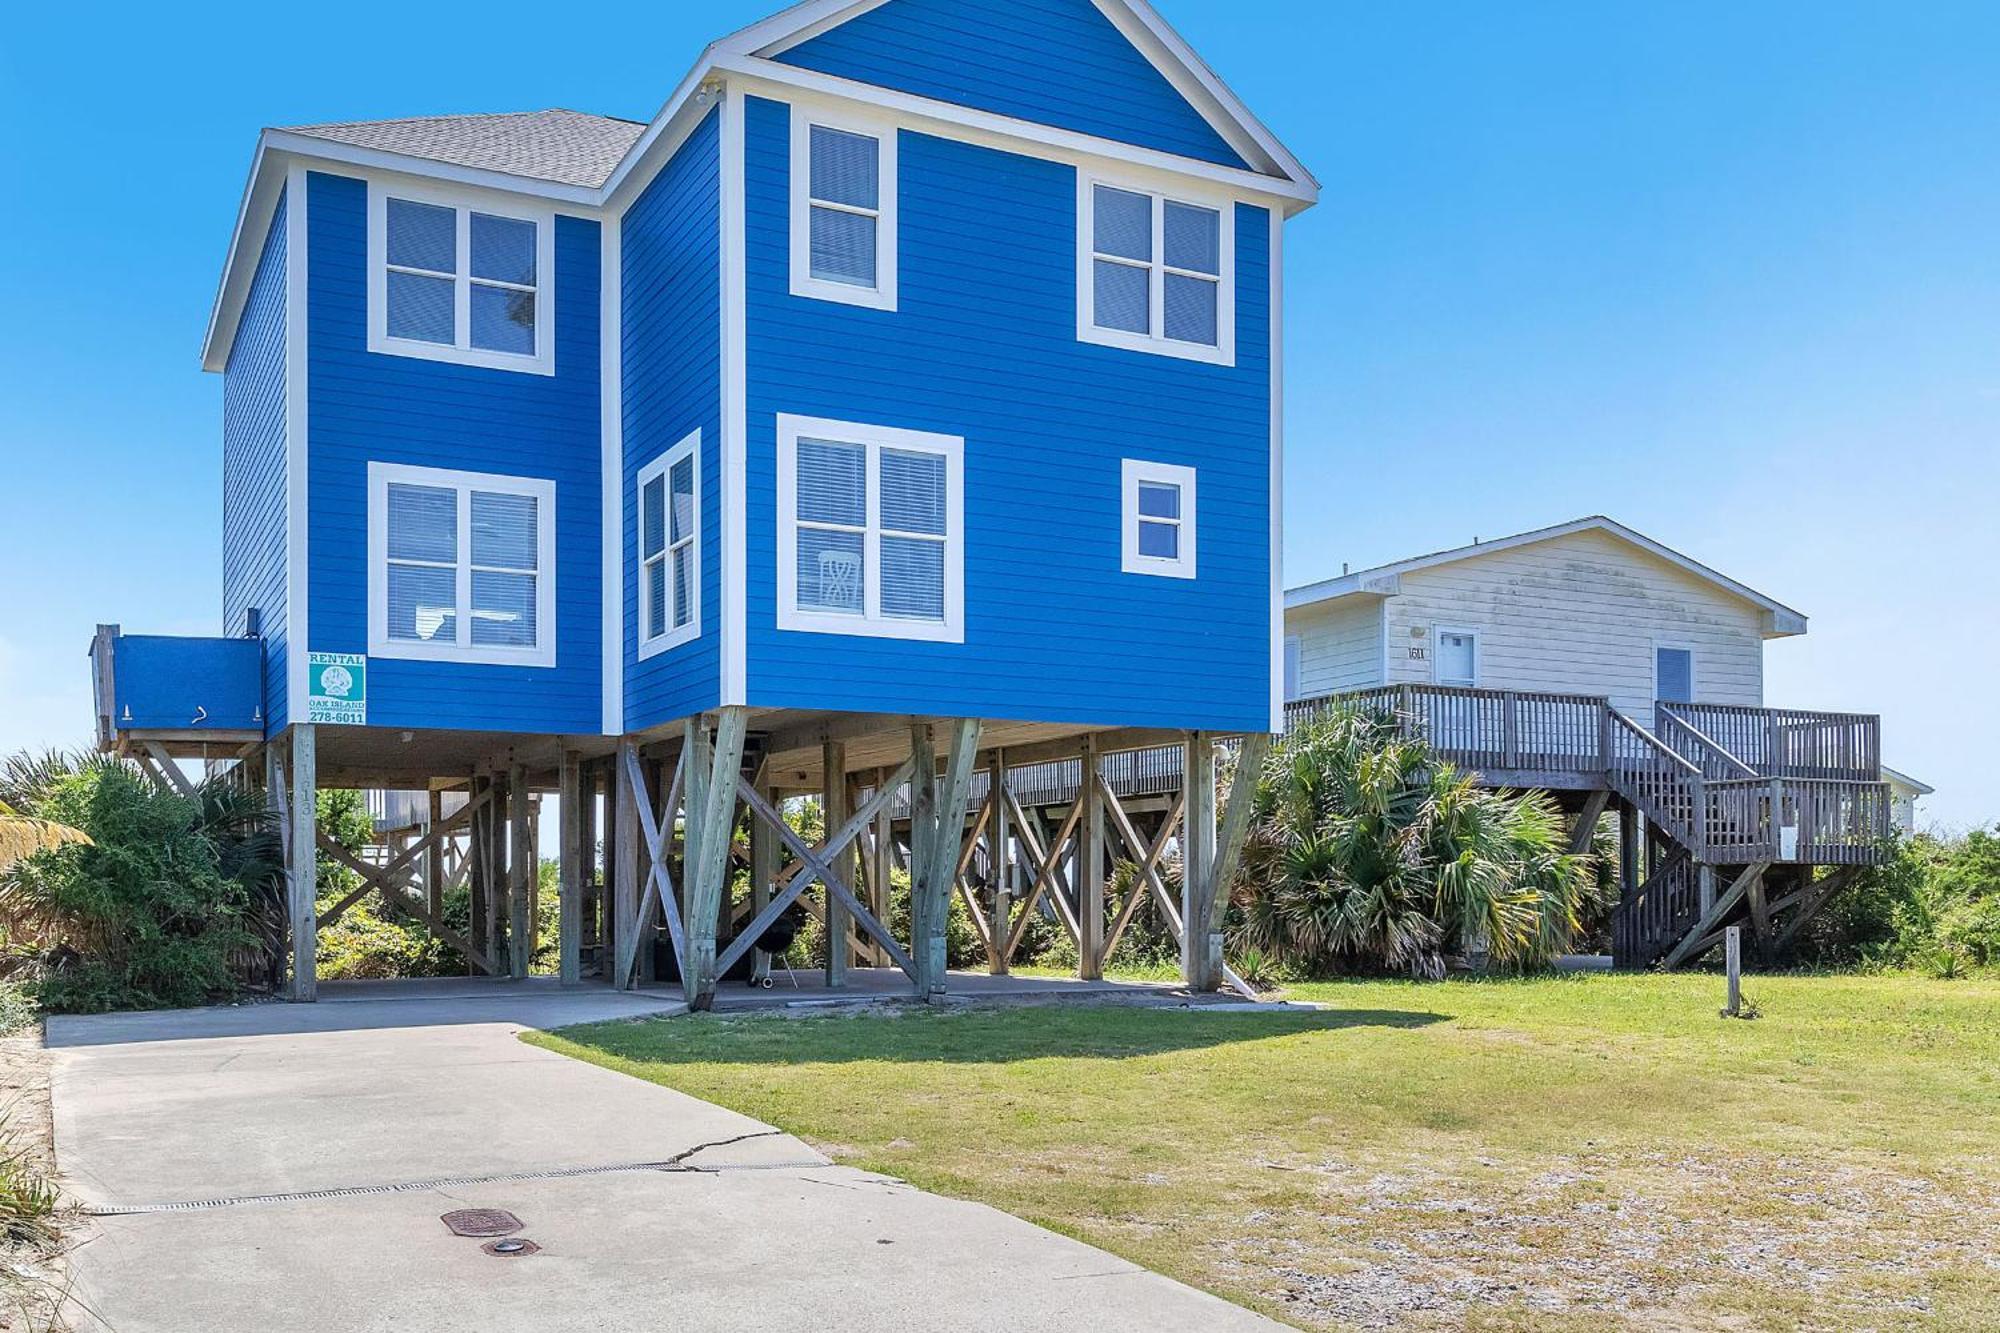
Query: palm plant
24	778
1368	854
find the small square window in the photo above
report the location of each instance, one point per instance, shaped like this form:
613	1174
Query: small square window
1159	519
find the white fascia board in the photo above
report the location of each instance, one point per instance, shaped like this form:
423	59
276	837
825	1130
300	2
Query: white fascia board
253	220
967	124
1227	114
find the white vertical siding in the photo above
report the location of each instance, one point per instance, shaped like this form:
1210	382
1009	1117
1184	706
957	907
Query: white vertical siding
1580	614
1340	644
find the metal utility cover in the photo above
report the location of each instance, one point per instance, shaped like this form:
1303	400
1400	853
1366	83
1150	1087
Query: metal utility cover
481	1222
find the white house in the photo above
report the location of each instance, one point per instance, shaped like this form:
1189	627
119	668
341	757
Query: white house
1904	793
1588	607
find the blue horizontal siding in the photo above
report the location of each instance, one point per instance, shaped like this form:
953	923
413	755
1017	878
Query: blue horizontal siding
984	346
368	407
672	338
254	473
165	683
1052	62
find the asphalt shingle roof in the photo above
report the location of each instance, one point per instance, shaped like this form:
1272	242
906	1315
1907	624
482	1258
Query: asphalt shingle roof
567	147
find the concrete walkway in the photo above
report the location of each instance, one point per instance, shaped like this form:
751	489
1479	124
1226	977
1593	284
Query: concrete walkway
279	1166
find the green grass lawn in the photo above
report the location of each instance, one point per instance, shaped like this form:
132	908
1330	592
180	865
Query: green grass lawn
1589	1152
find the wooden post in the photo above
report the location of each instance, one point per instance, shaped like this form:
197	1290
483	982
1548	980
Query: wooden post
1201	961
570	857
302	875
763	872
623	861
713	768
882	853
1000	835
1732	952
835	812
923	837
497	914
434	861
936	876
1090	876
521	880
593	881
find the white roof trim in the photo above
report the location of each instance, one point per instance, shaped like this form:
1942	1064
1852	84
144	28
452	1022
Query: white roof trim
1780	620
1905	780
743	53
1141	24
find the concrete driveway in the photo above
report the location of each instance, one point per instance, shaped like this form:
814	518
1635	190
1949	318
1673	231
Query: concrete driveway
285	1167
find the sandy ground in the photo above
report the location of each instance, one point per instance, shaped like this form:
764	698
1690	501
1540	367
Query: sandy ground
34	1278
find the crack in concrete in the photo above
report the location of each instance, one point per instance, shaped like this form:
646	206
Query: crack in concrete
678	1163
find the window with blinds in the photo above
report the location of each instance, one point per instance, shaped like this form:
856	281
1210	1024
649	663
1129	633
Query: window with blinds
461	565
669	548
1154	273
1159	525
843	211
870	530
458	282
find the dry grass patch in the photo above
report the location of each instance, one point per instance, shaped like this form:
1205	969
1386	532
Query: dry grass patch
1553	1154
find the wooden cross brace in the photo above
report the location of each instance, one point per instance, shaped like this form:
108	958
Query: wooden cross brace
1048	871
1148	880
654	834
818	867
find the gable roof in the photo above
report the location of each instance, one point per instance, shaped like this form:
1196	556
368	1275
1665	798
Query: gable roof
584	161
1142	25
566	147
1901	779
1779	620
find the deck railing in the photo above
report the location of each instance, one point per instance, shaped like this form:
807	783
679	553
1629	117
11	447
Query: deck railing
1489	730
1820	821
1789	742
1647	772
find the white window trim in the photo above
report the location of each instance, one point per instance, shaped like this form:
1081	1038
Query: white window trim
543	653
1224	353
1164	474
882	296
543	361
673	636
791	616
1437	656
1694	667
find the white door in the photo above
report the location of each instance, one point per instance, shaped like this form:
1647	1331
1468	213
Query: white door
1457	657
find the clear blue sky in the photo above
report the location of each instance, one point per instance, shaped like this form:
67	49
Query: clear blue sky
1729	273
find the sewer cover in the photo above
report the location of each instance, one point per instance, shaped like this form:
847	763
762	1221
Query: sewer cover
518	1247
481	1222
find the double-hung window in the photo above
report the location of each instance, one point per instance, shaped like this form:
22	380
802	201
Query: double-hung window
843	211
669	548
1155	273
1159	519
461	566
458	282
871	530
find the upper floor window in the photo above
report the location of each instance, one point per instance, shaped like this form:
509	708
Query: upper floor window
843	211
871	530
461	566
1159	519
456	282
669	548
1155	273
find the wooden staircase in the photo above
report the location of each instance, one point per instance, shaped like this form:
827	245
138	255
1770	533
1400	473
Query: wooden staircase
1733	841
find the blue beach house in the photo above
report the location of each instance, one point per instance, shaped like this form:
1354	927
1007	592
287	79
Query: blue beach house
897	410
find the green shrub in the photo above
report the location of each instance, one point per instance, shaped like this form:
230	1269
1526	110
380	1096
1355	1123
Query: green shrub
1368	854
162	909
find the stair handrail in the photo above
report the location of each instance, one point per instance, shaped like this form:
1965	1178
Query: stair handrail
1678	773
1673	725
